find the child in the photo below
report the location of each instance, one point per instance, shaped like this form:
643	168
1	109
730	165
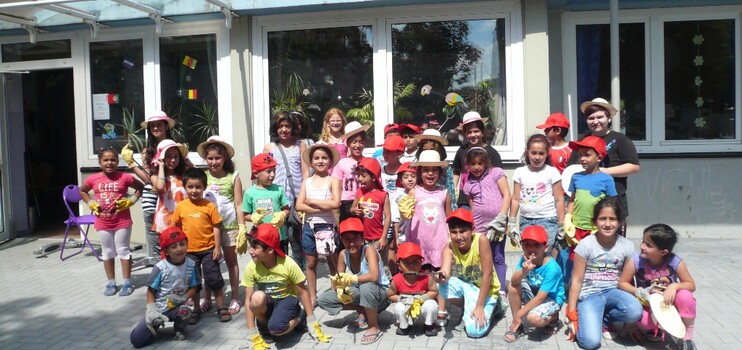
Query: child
355	139
414	294
389	130
408	132
360	284
432	205
393	147
473	128
594	298
225	184
431	139
372	205
332	131
536	287
556	129
656	269
274	287
266	201
467	273
318	198
488	193
173	280
200	220
112	216
168	182
537	191
406	181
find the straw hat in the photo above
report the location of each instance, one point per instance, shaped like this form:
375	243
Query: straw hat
432	134
334	154
353	128
166	144
430	158
155	116
666	316
201	149
598	101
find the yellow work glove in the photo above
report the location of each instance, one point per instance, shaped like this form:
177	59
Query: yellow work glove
258	215
315	330
344	280
94	207
406	207
123	204
258	343
128	155
414	309
344	295
241	240
570	231
278	219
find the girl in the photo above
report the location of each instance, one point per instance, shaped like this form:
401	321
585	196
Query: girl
473	128
537	191
318	198
406	181
594	298
488	192
112	216
355	140
432	139
290	170
225	185
432	206
333	130
168	182
656	269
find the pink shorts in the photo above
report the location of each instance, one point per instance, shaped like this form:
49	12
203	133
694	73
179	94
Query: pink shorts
685	302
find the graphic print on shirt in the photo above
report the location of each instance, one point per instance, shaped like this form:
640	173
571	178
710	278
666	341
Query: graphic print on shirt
350	183
107	196
264	204
430	211
604	270
471	273
368	206
533	195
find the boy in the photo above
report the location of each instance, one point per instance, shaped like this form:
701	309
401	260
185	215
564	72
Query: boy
536	288
556	128
360	284
372	204
171	282
473	129
413	293
200	220
274	287
394	147
408	132
467	273
389	130
265	201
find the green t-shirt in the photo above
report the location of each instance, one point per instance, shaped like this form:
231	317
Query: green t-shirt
271	198
278	282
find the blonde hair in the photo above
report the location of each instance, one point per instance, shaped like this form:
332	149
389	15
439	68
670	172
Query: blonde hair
325	136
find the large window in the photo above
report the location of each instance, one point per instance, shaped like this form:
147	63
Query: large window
42	50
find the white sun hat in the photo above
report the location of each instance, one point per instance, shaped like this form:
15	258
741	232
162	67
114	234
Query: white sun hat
666	316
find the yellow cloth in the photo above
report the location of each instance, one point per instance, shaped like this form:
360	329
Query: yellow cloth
278	282
128	155
569	230
406	207
278	219
468	266
344	295
242	240
258	215
414	309
317	334
123	204
258	343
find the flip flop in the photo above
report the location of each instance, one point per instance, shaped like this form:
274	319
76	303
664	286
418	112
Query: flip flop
234	307
370	338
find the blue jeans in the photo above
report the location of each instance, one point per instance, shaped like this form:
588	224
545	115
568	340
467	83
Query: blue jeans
550	224
611	305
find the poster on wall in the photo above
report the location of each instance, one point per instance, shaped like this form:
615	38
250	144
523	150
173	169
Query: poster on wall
100	107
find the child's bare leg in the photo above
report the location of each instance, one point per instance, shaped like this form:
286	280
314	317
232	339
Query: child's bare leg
514	297
334	258
219	297
312	277
258	304
538	322
110	267
391	261
125	268
233	270
373	321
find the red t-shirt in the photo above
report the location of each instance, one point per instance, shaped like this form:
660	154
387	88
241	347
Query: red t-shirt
106	190
560	157
372	203
420	286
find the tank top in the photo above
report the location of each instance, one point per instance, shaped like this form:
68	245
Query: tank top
223	190
420	286
293	157
428	225
664	274
320	192
383	279
468	266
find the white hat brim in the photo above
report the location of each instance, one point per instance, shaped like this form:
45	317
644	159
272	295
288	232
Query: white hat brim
609	107
356	131
440	139
201	149
442	164
667	316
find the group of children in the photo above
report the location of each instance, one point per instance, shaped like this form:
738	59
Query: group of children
390	231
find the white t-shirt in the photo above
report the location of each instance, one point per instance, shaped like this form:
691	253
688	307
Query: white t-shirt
536	195
604	265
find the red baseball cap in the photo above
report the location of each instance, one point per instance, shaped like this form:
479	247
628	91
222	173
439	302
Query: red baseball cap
269	235
404	168
261	162
593	142
393	143
415	129
351	225
555	119
534	233
461	214
391	127
170	236
408	249
372	165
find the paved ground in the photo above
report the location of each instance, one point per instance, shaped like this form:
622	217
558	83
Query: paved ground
50	304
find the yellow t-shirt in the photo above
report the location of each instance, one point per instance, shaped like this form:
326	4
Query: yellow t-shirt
468	268
278	282
197	221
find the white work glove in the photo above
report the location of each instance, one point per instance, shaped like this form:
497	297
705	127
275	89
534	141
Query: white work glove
153	313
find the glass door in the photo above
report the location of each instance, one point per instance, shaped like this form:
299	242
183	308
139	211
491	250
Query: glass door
4	194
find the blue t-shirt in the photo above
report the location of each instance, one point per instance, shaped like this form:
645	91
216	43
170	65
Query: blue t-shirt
167	278
547	278
588	189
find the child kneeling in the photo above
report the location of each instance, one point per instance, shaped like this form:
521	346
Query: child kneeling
536	289
274	287
413	293
171	282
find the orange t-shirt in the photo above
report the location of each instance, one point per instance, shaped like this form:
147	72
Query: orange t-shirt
197	221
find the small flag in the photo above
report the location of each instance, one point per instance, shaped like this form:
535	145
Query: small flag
128	64
113	99
192	94
189	62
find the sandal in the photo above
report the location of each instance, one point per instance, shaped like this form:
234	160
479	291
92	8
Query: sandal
513	336
195	317
205	306
552	328
361	322
224	315
370	338
234	307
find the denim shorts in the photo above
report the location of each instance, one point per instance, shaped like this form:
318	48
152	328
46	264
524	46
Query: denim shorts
308	241
544	310
550	224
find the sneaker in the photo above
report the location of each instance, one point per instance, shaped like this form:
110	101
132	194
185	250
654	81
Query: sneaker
404	331
504	298
265	333
688	344
609	332
126	289
110	289
501	309
431	331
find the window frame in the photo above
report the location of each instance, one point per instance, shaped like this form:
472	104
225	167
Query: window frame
654	20
381	21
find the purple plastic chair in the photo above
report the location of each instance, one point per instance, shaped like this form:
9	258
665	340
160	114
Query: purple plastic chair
71	194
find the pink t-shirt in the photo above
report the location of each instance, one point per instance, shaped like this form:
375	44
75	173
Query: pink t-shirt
106	190
345	171
485	197
428	226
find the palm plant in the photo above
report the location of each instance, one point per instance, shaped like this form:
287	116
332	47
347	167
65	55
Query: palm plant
206	121
365	113
132	131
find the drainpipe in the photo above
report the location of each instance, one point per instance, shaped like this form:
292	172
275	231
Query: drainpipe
615	67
